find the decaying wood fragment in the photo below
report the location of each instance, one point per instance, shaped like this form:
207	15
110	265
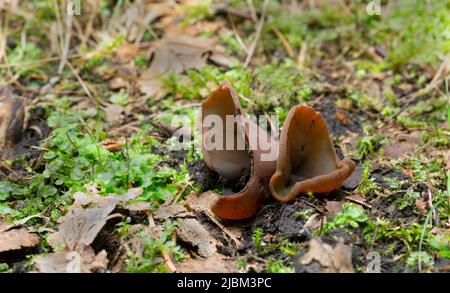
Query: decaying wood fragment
12	115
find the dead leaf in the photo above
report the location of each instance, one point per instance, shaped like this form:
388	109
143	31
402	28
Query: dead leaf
214	264
114	114
72	262
174	55
79	227
193	233
333	207
14	239
118	83
126	52
402	144
139	206
172	211
220	59
314	222
397	150
114	144
199	202
422	206
353	181
341	117
330	260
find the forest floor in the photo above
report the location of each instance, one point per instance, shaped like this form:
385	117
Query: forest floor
101	90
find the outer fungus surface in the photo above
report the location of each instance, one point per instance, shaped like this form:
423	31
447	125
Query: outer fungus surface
234	163
307	160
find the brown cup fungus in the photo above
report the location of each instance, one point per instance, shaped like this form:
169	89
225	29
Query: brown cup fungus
226	147
307	160
304	160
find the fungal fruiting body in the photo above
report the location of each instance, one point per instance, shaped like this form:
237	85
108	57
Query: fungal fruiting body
307	160
229	155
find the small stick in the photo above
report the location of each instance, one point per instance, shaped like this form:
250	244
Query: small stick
65	49
284	41
358	202
258	34
168	261
251	7
238	38
180	194
83	84
302	55
213	218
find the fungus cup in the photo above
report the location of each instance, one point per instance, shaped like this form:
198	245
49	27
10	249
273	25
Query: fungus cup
226	150
307	160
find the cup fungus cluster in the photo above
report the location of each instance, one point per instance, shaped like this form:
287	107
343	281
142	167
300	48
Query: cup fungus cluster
306	161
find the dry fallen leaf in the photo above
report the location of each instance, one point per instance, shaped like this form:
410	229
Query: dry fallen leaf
214	264
72	262
333	207
314	222
402	144
126	52
114	144
192	232
330	260
341	117
172	211
353	181
79	227
422	206
118	83
14	239
114	114
174	55
199	202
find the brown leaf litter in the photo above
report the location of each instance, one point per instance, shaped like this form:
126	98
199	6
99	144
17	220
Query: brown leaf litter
78	229
72	262
324	258
12	238
192	232
189	229
176	54
401	145
214	264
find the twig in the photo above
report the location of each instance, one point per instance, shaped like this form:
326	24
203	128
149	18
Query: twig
83	84
358	202
180	194
442	72
284	41
65	49
238	38
258	34
168	261
225	230
301	59
251	7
